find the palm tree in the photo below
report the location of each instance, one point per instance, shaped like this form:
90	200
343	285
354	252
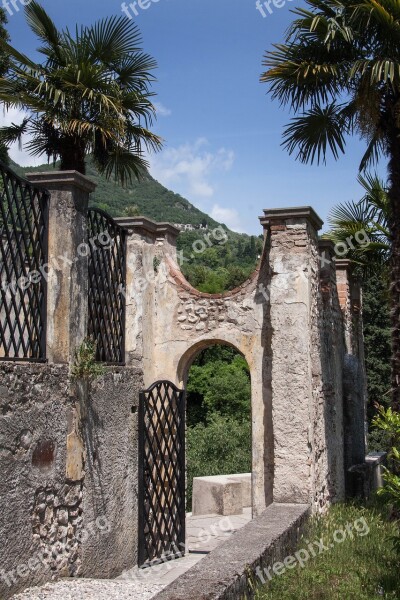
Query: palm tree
89	95
339	72
370	215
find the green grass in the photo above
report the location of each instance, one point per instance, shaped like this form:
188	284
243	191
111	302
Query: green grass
361	568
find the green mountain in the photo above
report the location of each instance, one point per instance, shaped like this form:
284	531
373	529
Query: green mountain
221	266
151	198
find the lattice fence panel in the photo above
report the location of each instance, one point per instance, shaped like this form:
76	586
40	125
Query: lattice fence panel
107	274
23	257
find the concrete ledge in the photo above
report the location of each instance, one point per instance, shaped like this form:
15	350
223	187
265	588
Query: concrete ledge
145	225
59	180
376	461
221	494
272	215
224	573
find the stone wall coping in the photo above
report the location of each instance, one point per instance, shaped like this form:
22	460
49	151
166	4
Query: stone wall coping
376	458
222	574
61	179
148	226
296	212
343	263
326	244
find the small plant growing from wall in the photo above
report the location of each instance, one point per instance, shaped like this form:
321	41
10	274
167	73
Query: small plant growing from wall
156	264
85	366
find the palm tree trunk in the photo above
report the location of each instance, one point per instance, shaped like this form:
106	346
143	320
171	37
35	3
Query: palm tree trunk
394	196
73	155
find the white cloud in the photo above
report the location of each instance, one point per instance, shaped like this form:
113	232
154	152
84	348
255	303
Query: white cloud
162	110
19	155
228	216
189	168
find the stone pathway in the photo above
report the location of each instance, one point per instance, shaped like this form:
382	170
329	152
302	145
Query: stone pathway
91	589
203	535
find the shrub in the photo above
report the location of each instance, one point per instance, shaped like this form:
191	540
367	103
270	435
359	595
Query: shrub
388	421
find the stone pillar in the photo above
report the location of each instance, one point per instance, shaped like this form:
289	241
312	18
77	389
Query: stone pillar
354	375
148	246
331	471
349	290
67	271
295	344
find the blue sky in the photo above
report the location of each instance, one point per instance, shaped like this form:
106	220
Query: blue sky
222	132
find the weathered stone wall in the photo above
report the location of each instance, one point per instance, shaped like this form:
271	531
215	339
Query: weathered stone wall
68	495
354	374
330	481
110	487
295	343
287	322
38	512
68	449
307	362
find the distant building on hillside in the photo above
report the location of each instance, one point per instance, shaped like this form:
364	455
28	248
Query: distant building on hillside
190	227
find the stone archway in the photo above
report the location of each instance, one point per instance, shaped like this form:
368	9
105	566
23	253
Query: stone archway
193	351
284	320
241	462
184	321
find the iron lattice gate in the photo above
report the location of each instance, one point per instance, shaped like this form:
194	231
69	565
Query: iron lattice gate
107	274
161	473
23	262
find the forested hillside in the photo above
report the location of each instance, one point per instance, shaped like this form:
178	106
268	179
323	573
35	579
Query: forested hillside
223	265
151	198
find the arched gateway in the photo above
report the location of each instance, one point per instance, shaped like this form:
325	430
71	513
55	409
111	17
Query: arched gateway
287	322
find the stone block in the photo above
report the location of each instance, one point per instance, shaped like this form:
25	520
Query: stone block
245	480
220	494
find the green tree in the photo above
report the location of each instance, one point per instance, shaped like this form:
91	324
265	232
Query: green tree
349	221
339	72
90	95
219	410
237	275
132	211
219	382
224	387
376	318
388	421
253	249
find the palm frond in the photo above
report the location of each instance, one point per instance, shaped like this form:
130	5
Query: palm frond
366	220
42	25
333	51
121	164
13	133
316	131
111	39
91	94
